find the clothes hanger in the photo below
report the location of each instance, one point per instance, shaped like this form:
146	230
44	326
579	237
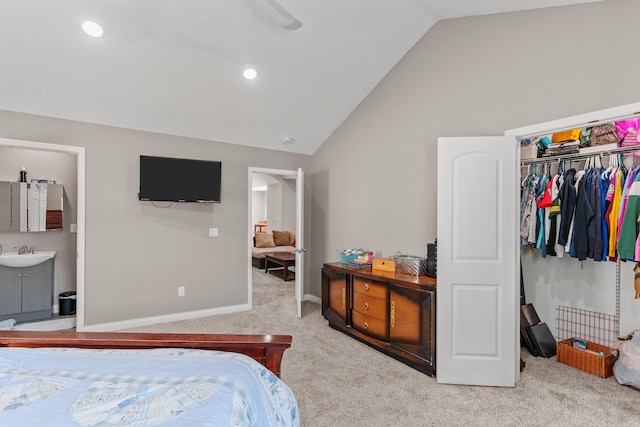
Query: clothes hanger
526	177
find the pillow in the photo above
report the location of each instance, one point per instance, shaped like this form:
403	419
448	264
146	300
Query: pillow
281	238
292	238
264	240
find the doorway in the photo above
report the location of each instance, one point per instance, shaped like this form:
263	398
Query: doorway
79	152
284	218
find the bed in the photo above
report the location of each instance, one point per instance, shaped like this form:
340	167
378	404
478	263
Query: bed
143	379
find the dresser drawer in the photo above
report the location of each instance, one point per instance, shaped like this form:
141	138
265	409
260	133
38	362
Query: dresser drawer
370	325
370	287
372	307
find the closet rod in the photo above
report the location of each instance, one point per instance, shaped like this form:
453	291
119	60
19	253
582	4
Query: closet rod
578	156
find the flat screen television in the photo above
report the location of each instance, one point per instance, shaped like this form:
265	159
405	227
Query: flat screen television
168	179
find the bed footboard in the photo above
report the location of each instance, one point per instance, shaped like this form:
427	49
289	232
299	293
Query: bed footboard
266	349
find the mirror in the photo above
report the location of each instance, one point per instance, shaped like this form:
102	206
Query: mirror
31	207
5	206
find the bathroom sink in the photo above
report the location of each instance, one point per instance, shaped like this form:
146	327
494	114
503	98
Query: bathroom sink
13	259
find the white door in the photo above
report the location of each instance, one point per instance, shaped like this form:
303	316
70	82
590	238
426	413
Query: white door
299	240
478	289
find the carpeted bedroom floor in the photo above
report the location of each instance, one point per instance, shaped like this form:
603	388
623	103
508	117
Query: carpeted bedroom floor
339	381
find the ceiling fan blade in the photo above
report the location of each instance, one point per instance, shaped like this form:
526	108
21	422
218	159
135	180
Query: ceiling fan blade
279	14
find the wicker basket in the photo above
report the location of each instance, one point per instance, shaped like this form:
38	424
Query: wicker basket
601	366
412	265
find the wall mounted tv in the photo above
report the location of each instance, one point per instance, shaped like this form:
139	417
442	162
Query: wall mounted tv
168	179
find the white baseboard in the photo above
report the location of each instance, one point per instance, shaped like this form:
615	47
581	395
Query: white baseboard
312	298
146	321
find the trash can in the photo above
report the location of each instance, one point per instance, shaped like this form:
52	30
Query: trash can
67	303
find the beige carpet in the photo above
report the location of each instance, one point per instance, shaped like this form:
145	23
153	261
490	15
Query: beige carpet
339	381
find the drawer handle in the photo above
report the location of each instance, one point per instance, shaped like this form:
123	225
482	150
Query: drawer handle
366	286
366	325
393	314
366	306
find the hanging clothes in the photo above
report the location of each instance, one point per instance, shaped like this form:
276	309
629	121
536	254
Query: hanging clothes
552	217
623	202
583	216
557	213
594	228
629	229
614	211
604	204
567	197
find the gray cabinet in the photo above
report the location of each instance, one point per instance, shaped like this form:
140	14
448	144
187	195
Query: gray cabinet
26	293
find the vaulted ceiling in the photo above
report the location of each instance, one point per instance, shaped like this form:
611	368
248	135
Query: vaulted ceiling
175	66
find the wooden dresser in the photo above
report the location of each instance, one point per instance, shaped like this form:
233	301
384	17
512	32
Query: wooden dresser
393	313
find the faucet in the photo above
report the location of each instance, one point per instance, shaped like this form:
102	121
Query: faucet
26	250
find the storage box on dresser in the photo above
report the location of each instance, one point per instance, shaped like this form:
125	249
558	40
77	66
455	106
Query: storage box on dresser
390	312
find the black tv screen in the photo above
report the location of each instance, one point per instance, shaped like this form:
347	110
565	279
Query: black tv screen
168	179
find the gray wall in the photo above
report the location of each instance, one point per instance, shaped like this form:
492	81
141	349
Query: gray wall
374	180
259	206
281	202
137	254
288	210
274	206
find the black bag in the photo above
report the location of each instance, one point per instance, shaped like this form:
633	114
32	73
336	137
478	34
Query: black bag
542	339
535	334
528	318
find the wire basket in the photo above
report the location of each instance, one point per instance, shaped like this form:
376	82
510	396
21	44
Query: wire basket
411	265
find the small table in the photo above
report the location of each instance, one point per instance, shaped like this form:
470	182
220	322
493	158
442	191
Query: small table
282	263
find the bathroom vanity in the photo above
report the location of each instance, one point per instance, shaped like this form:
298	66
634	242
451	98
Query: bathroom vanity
26	286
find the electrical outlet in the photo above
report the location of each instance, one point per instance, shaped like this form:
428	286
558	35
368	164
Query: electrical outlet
180	291
213	232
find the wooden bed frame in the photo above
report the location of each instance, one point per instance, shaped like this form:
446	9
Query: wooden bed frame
266	349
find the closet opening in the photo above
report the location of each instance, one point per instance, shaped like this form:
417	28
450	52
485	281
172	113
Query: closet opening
479	256
575	272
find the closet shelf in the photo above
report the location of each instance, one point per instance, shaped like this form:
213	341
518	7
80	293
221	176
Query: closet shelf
578	156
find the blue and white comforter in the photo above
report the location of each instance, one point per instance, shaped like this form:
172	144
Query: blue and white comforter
159	387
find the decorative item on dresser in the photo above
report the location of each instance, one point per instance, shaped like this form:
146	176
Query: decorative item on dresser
393	313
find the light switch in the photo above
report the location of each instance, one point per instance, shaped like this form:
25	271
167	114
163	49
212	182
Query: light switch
74	228
213	232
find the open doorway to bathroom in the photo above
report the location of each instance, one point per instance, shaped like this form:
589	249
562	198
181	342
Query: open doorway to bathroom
62	167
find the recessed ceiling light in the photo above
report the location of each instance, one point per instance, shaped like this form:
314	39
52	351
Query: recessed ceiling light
250	73
93	29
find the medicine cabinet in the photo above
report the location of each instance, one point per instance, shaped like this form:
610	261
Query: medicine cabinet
31	207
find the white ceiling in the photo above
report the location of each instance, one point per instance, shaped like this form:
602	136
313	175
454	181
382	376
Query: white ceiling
175	66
